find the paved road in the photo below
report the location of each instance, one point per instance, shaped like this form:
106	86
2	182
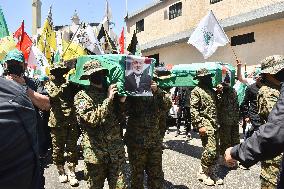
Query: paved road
180	163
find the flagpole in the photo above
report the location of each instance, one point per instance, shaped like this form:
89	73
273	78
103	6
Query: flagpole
71	40
236	57
126	7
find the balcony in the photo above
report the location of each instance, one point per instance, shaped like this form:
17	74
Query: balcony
214	1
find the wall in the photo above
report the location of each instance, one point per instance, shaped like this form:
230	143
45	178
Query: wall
268	37
156	26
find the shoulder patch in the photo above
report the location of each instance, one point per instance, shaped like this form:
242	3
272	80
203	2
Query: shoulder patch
82	104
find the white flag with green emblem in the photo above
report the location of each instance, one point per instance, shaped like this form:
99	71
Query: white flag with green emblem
208	35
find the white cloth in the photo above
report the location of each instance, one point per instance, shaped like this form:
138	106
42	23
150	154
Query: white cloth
40	62
208	35
86	37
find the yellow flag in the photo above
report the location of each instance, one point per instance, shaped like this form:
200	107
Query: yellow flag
6	44
47	41
72	51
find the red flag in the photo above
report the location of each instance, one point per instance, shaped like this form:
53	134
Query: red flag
24	41
121	41
18	34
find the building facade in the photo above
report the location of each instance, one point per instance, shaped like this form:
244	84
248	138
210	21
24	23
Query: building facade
163	28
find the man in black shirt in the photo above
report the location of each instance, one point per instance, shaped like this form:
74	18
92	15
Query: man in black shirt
249	106
268	141
19	166
14	65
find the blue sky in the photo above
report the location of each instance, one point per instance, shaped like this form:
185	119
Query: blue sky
88	10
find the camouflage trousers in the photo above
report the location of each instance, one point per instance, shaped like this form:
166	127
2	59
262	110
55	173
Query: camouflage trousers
229	136
97	173
270	171
64	139
150	160
210	143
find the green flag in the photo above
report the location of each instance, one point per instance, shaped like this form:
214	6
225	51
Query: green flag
3	25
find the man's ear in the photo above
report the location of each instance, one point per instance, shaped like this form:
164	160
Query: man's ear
5	66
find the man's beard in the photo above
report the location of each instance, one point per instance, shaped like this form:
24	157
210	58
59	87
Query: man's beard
137	72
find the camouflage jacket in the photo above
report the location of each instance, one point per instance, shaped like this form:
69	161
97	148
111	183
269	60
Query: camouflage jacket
61	97
98	117
266	99
228	107
162	115
203	108
143	129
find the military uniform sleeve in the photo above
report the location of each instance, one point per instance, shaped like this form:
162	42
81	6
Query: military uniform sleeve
235	130
267	142
265	103
194	108
52	90
89	111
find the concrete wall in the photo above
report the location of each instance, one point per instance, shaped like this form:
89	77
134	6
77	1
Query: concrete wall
268	41
156	26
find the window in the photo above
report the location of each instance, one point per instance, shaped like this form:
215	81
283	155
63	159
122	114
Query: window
175	10
140	26
242	39
214	1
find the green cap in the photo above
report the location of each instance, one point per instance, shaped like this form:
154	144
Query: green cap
91	67
14	55
202	73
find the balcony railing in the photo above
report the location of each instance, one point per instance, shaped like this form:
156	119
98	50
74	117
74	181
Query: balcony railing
214	1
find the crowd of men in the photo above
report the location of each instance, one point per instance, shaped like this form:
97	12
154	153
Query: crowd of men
98	114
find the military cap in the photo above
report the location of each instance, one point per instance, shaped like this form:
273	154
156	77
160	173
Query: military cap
58	67
91	67
161	72
202	73
14	54
272	64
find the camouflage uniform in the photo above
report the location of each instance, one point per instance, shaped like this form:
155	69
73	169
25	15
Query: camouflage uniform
270	169
63	122
204	114
228	117
143	139
163	115
103	147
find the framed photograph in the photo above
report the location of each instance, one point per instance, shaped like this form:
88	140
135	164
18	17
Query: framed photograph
138	76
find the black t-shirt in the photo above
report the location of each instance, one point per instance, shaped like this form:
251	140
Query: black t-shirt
18	138
42	116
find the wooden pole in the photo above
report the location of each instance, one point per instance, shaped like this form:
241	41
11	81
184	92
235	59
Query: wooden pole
71	40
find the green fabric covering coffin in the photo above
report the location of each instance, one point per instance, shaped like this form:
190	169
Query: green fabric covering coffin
183	74
115	64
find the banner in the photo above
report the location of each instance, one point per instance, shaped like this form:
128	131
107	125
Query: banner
38	63
3	25
72	51
47	41
24	41
86	37
121	42
208	36
6	44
